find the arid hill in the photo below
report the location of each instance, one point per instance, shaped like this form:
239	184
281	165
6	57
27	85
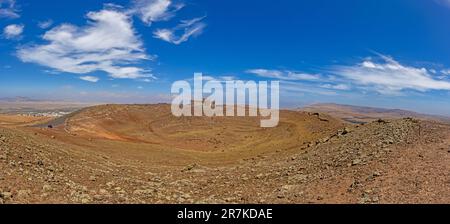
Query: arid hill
358	114
142	154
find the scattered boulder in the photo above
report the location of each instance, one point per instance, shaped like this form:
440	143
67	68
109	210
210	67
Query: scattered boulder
6	195
190	167
356	162
382	121
23	194
47	188
85	198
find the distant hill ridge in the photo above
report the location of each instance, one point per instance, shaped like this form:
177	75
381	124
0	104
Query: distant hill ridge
18	99
362	114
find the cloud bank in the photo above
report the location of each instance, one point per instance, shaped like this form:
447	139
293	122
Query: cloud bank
108	43
382	75
390	77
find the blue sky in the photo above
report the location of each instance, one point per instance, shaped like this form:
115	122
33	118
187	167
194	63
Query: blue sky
392	53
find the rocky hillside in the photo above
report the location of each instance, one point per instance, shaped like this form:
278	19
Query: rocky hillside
395	161
359	114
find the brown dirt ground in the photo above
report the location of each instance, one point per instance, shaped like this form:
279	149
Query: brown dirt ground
141	154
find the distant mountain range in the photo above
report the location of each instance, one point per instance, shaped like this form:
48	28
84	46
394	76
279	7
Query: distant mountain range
359	114
26	105
18	99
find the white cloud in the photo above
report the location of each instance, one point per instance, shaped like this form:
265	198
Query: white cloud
108	43
13	31
336	86
8	9
206	78
89	78
284	75
150	11
188	28
45	24
390	77
300	82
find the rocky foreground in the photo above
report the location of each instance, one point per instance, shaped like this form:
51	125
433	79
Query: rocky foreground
396	161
